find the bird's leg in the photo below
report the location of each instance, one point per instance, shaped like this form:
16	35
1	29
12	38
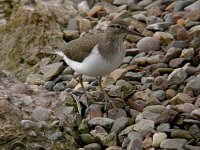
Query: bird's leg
107	99
86	95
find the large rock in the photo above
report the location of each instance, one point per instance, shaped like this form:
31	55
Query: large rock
30	30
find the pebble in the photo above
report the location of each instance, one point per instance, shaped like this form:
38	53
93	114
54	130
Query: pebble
87	138
167	115
59	87
51	70
172	53
41	114
158	26
125	143
175	63
126	131
173	143
193	86
158	138
185	108
119	124
163	127
133	76
192	7
181	98
93	146
155	108
115	114
196	113
101	121
144	126
70	35
177	133
159	94
55	136
170	93
148	44
163	38
156	89
27	124
135	145
118	73
135	135
49	85
187	53
110	140
35	79
176	77
113	148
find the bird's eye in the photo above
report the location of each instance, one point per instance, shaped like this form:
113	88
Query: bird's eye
118	27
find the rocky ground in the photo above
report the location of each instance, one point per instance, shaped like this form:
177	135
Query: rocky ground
156	89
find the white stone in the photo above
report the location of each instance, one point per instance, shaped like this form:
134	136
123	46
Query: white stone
158	138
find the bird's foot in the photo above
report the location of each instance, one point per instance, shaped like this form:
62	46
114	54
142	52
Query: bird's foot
107	99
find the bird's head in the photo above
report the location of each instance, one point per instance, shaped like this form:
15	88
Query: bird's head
120	27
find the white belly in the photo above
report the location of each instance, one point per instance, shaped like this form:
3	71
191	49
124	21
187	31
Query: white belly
95	65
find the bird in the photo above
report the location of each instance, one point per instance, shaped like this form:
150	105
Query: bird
99	54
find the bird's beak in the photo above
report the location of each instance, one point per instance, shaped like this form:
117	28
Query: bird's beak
132	31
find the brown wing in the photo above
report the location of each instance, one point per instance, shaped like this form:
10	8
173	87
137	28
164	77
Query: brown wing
80	48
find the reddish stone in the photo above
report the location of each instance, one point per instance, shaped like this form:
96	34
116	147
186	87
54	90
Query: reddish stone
135	105
93	113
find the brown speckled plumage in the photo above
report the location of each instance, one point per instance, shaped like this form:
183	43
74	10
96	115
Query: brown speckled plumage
107	42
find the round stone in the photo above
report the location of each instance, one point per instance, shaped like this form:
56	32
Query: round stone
148	44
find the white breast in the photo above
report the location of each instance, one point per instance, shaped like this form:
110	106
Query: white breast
94	64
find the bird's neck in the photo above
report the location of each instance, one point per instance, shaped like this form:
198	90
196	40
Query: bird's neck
112	45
